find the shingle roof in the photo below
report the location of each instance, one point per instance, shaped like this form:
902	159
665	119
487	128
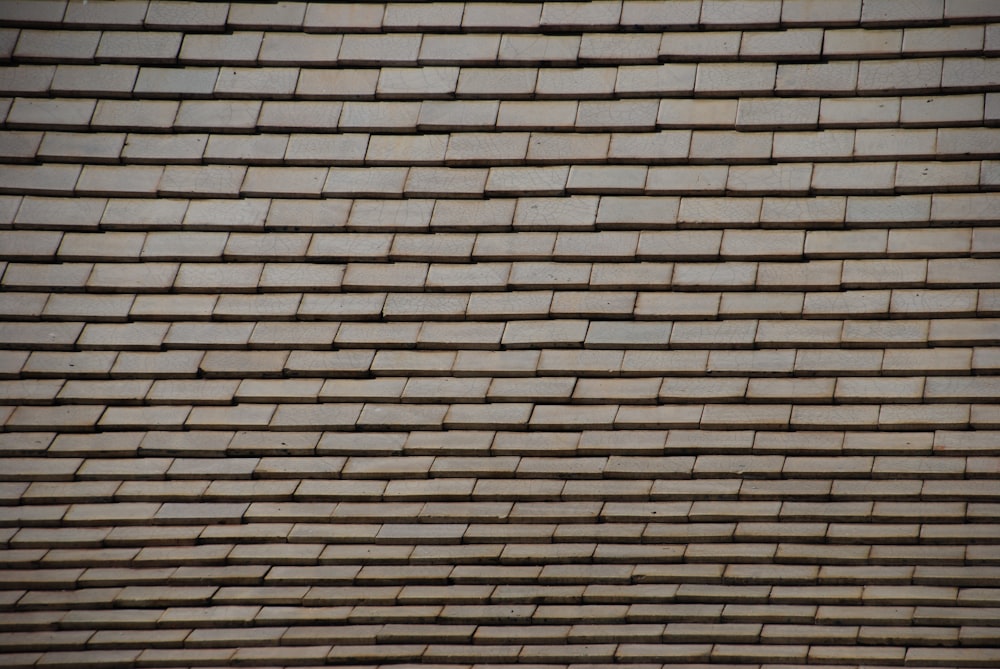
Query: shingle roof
462	334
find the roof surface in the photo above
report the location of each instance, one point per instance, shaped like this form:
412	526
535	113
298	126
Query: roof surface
454	334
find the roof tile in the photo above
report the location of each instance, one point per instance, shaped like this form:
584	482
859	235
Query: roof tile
209	16
122	46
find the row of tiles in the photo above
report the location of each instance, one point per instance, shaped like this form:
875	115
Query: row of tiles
415	475
274	48
759	534
891	568
440	656
119	584
561	656
453	630
795	547
767	345
363	363
894	573
925	556
364	627
507	148
475	291
634	250
459	656
783	178
931	497
487	16
288	323
571	643
630	256
633	116
786	179
848	77
509	416
525	215
926	582
555	389
157	449
833	569
447	522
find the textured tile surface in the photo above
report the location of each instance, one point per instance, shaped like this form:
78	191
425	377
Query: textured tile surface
466	334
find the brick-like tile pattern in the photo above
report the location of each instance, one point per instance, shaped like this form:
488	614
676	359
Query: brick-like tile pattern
557	333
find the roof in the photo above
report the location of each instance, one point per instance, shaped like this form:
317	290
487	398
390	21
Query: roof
464	334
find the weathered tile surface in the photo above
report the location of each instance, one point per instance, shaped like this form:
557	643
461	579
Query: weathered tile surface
465	334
